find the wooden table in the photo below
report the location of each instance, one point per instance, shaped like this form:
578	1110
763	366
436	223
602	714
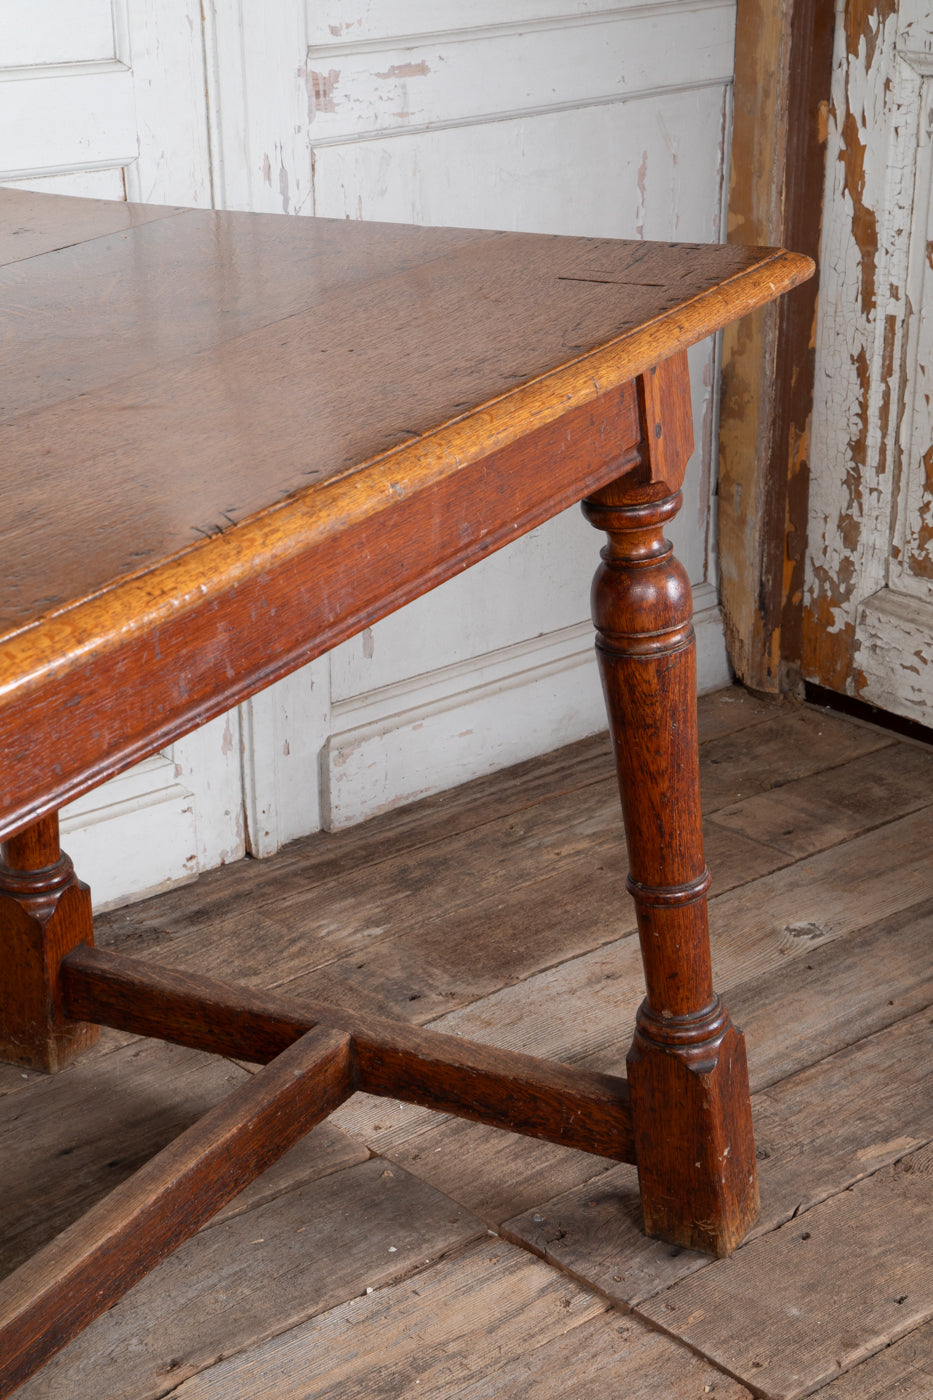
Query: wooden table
230	441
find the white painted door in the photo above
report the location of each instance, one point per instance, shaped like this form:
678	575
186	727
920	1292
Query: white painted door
589	118
601	117
869	618
598	119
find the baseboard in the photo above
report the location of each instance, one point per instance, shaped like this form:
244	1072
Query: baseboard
134	836
138	834
423	735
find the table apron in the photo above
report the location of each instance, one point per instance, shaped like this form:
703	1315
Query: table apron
94	714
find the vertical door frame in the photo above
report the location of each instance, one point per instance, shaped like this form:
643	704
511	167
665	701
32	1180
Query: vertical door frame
783	70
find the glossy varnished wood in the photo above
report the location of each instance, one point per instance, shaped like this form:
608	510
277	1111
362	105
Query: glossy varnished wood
268	399
556	1103
687	1070
45	911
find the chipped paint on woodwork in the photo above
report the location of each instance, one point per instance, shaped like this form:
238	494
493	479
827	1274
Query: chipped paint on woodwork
641	185
898	470
858	445
795	522
859	29
406	70
921	562
322	89
887	374
835	648
864	220
859	391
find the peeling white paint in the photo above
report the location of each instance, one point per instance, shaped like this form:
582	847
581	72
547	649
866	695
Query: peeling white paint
868	494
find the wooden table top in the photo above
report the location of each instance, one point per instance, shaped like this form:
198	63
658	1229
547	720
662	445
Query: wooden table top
192	402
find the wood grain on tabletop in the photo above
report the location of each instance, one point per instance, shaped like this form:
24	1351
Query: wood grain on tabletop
225	496
32	224
221	362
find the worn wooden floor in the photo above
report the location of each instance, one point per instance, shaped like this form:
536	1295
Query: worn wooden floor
395	1253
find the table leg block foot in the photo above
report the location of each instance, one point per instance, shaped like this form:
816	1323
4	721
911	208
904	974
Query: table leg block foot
45	912
693	1135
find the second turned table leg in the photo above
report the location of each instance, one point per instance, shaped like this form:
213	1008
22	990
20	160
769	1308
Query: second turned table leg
687	1071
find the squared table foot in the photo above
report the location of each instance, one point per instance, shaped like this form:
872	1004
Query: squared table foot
688	1080
45	912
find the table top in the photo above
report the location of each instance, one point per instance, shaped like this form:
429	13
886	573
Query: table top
191	401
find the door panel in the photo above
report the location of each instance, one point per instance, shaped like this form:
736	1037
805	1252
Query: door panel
66	88
43	32
467	76
868	622
605	122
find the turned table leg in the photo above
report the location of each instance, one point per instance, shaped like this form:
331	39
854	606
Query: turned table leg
686	1068
45	911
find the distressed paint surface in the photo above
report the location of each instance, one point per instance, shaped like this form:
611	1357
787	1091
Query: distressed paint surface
470	75
871	493
369	22
913	543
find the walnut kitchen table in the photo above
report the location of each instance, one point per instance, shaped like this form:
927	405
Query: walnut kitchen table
230	441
